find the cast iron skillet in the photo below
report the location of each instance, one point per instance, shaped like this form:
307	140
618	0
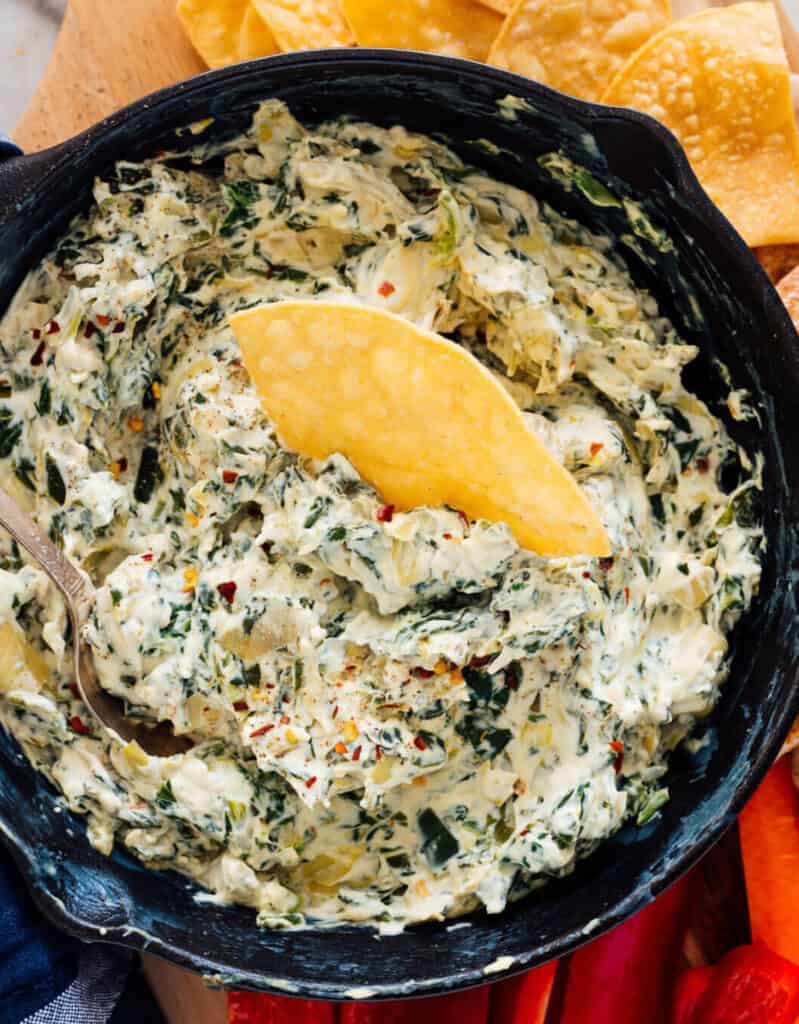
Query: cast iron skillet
716	293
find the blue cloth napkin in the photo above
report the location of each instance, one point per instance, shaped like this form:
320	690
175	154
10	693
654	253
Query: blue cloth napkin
48	978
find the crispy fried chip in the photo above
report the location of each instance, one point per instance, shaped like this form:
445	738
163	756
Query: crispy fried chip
305	24
215	27
576	46
502	6
788	289
719	80
255	38
458	28
388	395
778	260
792	741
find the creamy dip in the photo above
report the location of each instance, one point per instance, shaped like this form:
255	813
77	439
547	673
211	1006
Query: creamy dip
398	716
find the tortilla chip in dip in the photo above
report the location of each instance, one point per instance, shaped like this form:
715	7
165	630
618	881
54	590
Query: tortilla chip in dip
576	46
719	80
335	377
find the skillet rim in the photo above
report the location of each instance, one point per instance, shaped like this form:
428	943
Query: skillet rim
17	174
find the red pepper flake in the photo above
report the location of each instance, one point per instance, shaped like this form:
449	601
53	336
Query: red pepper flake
235	362
356	754
103	320
513	676
38	356
335	711
227	590
73	688
36	333
386	289
284	719
419	743
524	832
148	557
626	595
703	464
240	705
463	518
618	749
596	448
52	327
119	327
447	536
310	783
586	574
123	464
605	564
230	476
423	673
77	723
89	329
378	753
481	661
261	730
385	514
616	746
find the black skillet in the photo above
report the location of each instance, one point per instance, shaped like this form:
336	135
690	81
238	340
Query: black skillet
713	289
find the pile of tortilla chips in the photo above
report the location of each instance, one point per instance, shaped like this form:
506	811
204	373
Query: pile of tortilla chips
718	77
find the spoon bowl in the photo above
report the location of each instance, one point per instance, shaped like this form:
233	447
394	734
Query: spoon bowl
78	592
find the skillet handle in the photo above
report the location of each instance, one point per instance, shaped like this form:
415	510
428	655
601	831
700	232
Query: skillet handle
18	173
8	148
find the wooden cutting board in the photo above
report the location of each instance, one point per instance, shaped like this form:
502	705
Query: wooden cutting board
108	54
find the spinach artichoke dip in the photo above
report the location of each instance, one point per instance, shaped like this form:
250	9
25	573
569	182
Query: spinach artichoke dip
398	716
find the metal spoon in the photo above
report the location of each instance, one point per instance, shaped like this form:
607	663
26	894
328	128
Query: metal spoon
78	593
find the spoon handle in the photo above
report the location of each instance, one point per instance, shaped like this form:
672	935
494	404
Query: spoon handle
69	580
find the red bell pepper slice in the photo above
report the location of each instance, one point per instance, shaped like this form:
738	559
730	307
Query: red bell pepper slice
525	998
255	1008
691	986
751	985
469	1007
628	974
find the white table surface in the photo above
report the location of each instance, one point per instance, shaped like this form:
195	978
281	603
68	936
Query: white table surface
27	31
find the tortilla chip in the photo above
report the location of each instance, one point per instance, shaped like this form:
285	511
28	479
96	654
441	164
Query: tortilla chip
255	38
305	24
719	80
214	28
576	46
501	6
792	741
788	289
458	28
390	397
778	260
